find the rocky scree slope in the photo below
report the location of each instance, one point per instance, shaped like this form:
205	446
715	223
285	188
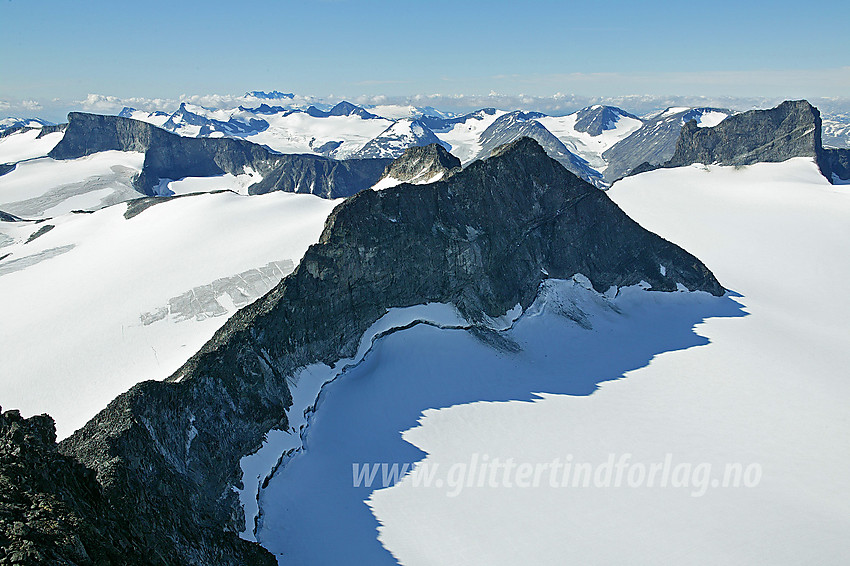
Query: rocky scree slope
169	156
167	453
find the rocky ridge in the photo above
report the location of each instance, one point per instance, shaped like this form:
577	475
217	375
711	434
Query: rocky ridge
167	453
792	129
169	156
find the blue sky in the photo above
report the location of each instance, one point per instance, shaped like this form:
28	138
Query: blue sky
59	49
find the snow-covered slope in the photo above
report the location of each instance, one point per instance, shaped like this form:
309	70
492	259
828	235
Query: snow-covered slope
157	117
591	131
102	301
12	122
392	142
463	134
45	187
338	132
836	130
764	393
27	144
335	136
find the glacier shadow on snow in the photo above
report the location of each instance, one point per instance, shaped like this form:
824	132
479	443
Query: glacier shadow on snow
311	511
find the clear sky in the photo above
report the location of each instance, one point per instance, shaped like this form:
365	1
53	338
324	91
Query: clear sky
69	49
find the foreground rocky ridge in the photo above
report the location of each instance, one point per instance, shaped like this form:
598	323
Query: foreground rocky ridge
167	454
792	129
52	509
169	156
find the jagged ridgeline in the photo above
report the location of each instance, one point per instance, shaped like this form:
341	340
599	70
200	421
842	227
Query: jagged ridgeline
169	156
792	129
167	453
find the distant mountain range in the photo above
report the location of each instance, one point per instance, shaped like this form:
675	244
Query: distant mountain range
598	143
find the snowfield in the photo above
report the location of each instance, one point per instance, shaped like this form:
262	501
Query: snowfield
586	146
301	133
756	379
27	145
465	137
47	187
101	302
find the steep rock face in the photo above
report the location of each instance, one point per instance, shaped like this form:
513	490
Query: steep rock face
482	240
52	509
6	217
792	129
169	156
516	125
422	164
835	164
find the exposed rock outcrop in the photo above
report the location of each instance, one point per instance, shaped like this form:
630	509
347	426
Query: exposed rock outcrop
169	156
422	164
792	129
167	453
596	119
52	509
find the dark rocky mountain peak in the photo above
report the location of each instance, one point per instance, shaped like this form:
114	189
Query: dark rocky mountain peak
482	240
792	129
596	119
345	108
420	163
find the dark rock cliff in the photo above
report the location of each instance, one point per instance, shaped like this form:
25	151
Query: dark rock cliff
792	129
167	453
169	156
